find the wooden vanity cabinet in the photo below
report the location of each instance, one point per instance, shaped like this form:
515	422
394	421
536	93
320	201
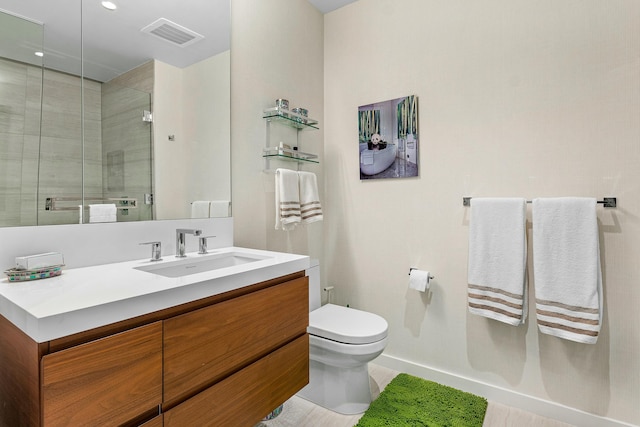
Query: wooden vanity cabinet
245	397
206	345
109	381
229	359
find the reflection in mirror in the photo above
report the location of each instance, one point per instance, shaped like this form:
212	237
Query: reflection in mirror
130	120
21	77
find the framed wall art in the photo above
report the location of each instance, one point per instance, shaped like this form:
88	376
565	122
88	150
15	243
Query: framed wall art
388	138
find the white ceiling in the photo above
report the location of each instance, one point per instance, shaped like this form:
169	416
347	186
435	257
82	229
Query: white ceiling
112	41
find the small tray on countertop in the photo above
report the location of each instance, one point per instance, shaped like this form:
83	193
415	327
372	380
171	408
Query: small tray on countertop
15	275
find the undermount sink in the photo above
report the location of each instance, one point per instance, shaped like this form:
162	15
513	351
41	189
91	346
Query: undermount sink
195	264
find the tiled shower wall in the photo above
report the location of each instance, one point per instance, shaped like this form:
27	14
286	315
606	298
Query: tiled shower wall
19	134
59	148
126	140
113	123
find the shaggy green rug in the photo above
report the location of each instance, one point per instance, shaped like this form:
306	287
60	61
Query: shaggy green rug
412	401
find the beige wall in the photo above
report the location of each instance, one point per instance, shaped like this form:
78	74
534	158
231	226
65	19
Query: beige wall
516	98
192	104
277	52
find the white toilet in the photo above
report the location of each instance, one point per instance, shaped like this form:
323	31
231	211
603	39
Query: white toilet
342	342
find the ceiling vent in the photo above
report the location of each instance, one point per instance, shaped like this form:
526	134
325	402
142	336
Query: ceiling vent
172	32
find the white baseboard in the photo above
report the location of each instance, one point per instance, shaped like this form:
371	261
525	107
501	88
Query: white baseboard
501	395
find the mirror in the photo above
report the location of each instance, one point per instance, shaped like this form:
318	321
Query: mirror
127	108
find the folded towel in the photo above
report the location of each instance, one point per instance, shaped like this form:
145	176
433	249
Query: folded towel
200	209
103	212
102	218
102	209
287	199
219	209
497	259
310	208
566	265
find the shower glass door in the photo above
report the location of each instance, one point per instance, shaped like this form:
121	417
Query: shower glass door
126	152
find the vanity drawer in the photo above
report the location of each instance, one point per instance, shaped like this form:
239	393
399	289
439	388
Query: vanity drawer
206	345
106	382
250	394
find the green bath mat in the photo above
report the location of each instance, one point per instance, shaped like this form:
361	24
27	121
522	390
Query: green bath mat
412	401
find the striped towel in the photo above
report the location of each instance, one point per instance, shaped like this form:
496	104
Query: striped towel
497	280
311	210
287	199
566	265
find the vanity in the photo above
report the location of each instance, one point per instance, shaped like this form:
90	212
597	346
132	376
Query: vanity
141	343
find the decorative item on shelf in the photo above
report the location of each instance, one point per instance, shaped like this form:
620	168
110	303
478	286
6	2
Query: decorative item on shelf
284	149
282	107
302	113
15	275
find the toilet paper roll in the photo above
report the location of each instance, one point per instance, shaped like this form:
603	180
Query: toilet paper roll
419	280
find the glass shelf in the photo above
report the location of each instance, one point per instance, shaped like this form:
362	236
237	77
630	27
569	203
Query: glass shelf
289	155
287	118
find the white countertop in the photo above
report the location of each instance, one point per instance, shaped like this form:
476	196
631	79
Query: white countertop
89	297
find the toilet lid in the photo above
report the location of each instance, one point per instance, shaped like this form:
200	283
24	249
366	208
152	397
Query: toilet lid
347	325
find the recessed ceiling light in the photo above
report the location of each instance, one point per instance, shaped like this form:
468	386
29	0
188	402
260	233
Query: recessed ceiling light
109	5
39	54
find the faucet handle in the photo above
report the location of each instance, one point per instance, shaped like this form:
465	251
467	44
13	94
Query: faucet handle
156	250
202	245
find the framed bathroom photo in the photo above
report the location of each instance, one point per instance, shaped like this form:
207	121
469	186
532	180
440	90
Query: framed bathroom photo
388	138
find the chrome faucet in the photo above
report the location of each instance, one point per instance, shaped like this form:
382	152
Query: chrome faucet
180	238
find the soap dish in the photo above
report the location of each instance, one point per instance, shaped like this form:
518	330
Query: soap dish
15	275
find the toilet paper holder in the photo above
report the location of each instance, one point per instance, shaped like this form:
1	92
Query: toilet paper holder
413	268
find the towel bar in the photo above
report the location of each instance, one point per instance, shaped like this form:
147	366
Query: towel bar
607	202
52	203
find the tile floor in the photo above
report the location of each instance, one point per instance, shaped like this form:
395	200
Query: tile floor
298	412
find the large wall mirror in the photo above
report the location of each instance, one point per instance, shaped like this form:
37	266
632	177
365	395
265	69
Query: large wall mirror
114	111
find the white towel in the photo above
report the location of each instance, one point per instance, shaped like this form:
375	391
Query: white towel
310	208
103	213
287	199
219	209
566	265
497	259
200	209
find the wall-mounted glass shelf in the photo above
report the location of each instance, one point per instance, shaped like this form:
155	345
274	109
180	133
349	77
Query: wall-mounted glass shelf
290	155
289	118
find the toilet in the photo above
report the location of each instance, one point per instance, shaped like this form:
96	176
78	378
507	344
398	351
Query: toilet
342	341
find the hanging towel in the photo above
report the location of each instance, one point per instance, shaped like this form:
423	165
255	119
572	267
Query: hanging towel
287	199
310	208
497	259
200	209
103	213
566	266
219	209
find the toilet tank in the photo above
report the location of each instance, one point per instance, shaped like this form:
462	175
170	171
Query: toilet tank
313	272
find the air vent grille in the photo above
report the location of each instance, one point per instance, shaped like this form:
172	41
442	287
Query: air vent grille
172	32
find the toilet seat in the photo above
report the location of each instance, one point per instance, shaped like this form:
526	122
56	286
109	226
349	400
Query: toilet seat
347	325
